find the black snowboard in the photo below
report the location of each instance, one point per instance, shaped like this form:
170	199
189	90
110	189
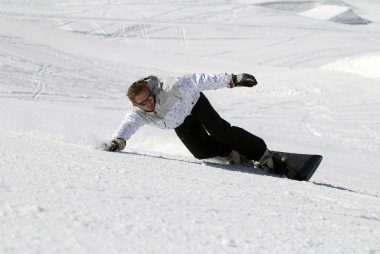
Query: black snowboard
300	167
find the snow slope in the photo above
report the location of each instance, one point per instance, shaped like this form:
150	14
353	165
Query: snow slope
64	69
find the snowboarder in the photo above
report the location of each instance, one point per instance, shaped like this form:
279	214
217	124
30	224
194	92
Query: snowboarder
179	104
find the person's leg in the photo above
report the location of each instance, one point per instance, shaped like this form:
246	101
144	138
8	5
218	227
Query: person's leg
198	141
234	137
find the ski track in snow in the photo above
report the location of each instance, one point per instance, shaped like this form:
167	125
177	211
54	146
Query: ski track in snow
64	69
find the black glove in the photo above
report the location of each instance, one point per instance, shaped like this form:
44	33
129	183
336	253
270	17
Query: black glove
115	145
243	79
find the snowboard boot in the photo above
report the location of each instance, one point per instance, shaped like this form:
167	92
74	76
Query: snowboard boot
274	163
266	161
280	164
235	158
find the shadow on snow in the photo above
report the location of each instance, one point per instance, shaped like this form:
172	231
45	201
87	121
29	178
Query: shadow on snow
243	169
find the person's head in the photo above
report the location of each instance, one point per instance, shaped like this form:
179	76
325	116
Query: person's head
140	96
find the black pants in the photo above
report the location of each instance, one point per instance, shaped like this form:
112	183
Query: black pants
207	135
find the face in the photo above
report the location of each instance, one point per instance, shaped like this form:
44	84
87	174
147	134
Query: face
145	101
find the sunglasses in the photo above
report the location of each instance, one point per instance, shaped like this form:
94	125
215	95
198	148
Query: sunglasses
147	101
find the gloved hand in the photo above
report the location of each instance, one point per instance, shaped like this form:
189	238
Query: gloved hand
242	79
115	145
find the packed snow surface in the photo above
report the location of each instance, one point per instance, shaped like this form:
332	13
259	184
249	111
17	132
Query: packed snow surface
65	67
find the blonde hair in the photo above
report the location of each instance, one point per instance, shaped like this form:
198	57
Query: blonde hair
136	88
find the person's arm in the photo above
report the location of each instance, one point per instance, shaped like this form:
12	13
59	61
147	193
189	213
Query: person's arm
204	81
128	127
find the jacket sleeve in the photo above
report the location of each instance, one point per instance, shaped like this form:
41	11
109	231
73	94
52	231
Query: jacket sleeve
202	81
132	121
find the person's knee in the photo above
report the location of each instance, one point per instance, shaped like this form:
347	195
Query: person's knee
260	147
199	155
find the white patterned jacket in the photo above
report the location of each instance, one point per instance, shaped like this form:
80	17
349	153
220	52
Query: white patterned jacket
175	98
